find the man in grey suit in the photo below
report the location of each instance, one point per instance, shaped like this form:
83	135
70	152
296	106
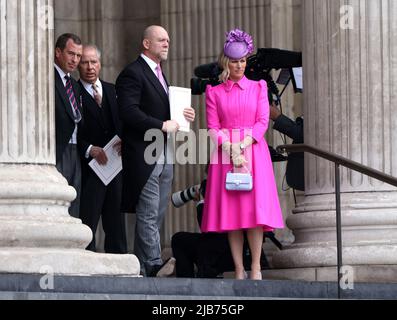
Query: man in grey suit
68	51
142	94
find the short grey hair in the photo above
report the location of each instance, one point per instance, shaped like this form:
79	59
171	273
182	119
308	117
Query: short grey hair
93	46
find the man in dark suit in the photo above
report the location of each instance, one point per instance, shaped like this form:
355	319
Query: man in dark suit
295	174
101	124
142	94
68	51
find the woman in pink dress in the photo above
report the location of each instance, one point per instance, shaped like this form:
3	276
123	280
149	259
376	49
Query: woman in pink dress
237	118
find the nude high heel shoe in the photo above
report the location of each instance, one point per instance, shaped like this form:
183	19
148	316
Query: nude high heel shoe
241	276
256	275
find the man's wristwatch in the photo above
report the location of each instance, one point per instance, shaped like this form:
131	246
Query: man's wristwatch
242	146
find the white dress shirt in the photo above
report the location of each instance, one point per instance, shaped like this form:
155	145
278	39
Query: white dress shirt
90	90
151	63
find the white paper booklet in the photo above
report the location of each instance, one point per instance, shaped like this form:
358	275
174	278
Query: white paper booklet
109	171
180	98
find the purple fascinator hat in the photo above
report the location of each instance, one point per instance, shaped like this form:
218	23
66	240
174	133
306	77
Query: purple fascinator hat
238	44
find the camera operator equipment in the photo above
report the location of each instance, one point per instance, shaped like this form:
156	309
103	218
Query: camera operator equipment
207	74
180	198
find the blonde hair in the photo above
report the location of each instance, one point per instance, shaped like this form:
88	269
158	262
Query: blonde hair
223	62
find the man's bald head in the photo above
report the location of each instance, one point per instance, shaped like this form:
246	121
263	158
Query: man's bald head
151	32
155	43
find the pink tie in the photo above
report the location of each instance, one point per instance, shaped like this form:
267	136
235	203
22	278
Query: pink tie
161	78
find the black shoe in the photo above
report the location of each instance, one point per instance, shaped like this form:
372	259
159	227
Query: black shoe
164	270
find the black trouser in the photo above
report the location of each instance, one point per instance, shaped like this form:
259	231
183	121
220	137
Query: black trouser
209	252
70	167
98	200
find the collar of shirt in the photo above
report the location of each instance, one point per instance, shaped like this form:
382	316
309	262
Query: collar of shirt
90	90
242	84
62	74
151	63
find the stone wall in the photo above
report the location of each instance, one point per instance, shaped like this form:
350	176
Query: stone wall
115	26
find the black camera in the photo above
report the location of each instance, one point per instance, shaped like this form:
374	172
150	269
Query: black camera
207	74
198	85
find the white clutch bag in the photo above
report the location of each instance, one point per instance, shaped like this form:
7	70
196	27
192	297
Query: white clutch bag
236	181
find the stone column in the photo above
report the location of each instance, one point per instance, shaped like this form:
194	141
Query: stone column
36	230
283	31
350	76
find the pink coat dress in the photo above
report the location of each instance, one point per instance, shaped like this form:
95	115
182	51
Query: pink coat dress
233	111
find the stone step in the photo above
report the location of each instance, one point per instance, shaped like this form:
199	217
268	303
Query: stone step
23	286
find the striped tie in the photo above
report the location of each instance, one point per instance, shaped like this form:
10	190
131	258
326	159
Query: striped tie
97	95
70	93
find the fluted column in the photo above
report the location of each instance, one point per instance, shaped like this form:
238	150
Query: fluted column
350	76
36	229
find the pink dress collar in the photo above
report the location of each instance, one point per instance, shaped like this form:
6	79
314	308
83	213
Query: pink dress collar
242	84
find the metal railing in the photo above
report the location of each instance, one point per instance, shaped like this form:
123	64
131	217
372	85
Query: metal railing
339	161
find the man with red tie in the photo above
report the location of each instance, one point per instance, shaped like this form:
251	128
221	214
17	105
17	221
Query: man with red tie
68	50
